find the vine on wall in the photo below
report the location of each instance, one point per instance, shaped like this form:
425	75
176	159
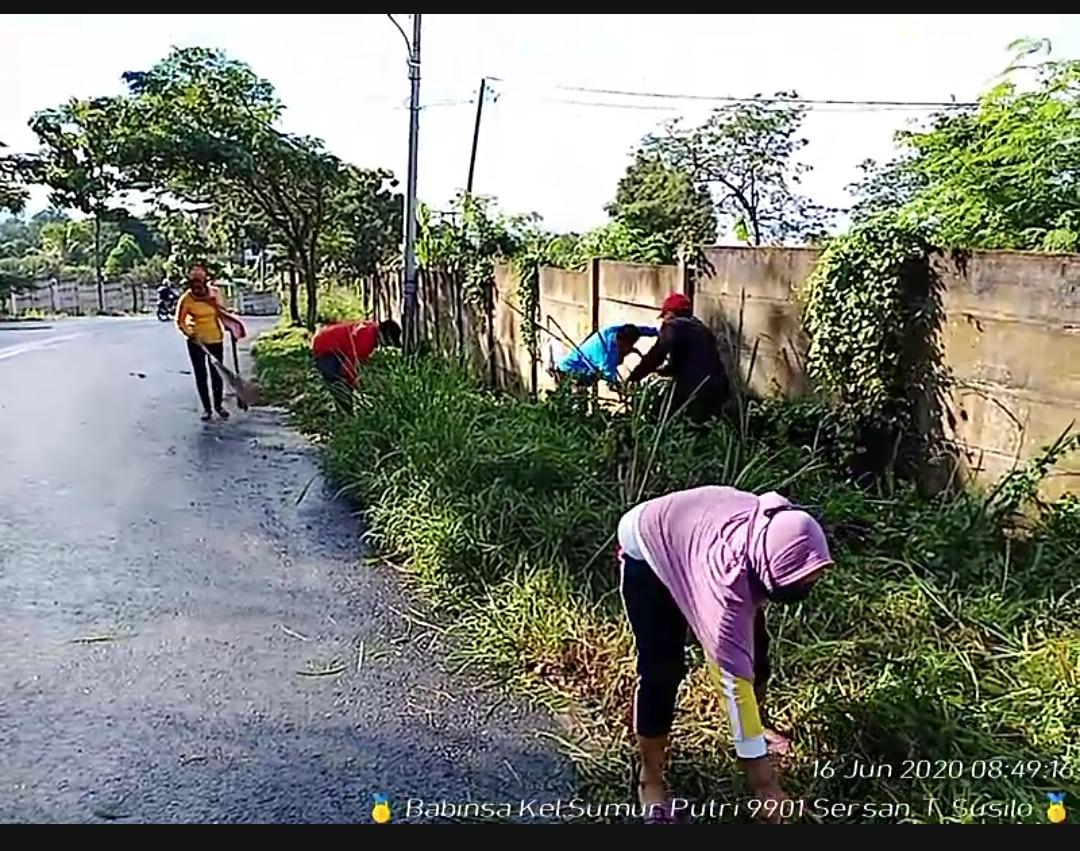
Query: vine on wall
872	308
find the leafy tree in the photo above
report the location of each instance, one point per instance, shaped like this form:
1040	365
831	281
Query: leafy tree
1003	174
617	241
64	244
150	242
201	127
657	199
12	191
745	154
77	161
124	256
366	218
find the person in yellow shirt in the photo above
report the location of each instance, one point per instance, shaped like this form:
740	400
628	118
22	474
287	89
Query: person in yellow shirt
199	320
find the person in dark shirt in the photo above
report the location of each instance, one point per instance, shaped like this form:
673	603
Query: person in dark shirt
693	362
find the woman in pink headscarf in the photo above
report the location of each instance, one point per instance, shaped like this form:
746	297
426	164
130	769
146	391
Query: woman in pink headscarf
708	559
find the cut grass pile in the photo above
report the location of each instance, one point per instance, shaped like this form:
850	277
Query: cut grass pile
942	649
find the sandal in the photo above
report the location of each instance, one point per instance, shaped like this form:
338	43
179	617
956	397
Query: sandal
205	416
777	743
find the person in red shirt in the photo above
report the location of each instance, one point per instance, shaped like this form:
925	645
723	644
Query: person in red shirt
340	347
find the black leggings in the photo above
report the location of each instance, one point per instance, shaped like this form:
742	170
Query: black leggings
200	367
332	369
660	637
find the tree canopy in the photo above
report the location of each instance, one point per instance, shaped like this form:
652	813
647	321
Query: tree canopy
1002	174
663	201
125	255
746	156
78	160
12	191
197	133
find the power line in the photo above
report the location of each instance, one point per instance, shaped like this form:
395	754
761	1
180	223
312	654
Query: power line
817	105
776	99
838	110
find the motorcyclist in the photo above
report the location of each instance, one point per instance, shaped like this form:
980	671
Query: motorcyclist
167	297
166	292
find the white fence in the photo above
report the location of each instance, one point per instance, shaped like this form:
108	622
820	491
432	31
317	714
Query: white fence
72	298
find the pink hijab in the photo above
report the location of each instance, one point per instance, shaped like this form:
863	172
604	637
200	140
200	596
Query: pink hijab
786	543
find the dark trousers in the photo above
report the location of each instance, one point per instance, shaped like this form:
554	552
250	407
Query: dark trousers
660	637
704	399
332	370
199	366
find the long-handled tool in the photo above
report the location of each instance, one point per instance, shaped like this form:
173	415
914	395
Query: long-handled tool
247	394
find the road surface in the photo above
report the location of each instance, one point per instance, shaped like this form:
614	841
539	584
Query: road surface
167	608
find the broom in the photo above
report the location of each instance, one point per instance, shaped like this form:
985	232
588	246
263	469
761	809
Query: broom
247	394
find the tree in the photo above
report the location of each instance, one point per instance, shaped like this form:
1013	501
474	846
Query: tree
365	222
78	161
745	154
12	191
64	245
201	128
657	199
124	256
1002	174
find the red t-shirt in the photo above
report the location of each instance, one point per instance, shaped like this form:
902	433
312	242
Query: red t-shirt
353	342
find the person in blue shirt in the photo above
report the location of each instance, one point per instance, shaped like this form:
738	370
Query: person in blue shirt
600	354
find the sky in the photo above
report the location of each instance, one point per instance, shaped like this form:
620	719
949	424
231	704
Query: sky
343	78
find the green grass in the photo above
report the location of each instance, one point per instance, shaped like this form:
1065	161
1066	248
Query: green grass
939	635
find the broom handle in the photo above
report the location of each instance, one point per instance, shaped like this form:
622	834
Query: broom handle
235	356
214	362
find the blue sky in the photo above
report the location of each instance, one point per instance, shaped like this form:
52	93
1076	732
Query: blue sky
343	78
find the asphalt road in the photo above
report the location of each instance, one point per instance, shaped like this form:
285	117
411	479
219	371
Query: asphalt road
166	608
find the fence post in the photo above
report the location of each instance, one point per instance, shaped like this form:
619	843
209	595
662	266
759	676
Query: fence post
594	293
689	283
459	311
489	310
594	316
431	307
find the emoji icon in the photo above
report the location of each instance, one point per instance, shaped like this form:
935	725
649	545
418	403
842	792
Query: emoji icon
381	811
1056	811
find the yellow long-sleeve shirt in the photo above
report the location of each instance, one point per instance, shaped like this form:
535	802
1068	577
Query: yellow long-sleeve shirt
198	317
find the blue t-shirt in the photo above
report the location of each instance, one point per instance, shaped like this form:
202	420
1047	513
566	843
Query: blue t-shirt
598	353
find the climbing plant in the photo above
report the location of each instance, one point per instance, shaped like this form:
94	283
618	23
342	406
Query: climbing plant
469	239
872	309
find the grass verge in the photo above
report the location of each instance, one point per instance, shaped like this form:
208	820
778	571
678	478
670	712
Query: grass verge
938	662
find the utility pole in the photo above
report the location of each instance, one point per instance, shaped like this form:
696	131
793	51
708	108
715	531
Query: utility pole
409	308
476	135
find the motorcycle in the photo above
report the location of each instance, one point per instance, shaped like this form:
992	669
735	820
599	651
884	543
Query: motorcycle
166	307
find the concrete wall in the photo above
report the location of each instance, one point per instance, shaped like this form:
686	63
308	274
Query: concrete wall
1012	341
748	299
565	309
1011	336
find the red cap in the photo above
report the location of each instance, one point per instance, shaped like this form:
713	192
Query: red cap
676	303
